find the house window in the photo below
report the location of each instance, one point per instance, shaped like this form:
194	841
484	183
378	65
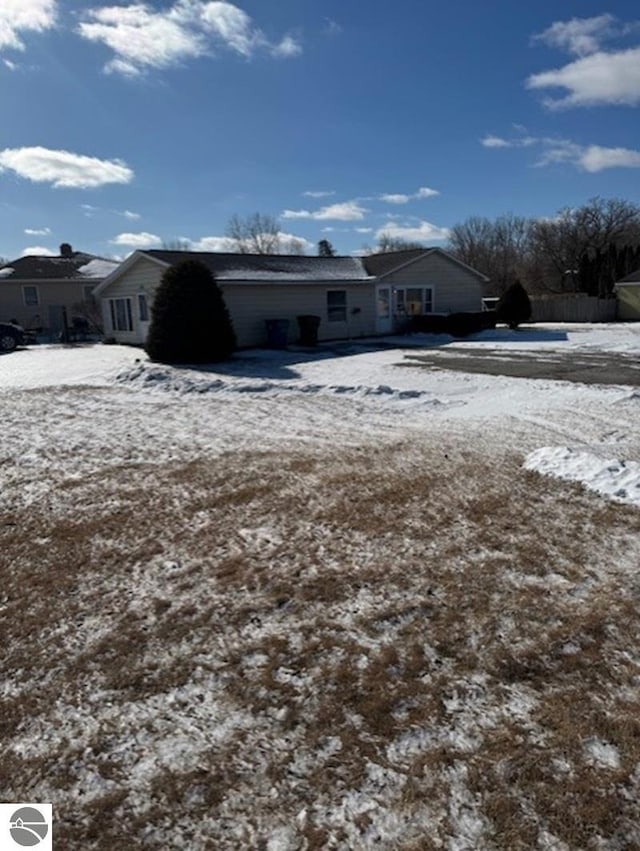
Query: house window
121	319
31	298
337	305
414	301
143	308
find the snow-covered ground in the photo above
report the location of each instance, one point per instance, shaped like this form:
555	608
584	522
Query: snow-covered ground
328	599
360	391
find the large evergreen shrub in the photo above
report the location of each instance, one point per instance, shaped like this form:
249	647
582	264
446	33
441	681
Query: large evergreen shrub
514	306
190	322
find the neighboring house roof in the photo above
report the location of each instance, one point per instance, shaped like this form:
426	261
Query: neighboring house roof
633	278
73	266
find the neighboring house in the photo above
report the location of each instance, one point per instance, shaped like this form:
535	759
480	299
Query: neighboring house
628	293
353	296
37	291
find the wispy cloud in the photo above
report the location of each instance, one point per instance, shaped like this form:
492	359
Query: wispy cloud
20	16
421	232
137	240
129	214
143	38
63	168
38	231
597	77
590	158
345	211
331	27
495	142
320	193
402	198
579	35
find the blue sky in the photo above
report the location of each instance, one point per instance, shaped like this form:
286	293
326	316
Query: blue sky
128	124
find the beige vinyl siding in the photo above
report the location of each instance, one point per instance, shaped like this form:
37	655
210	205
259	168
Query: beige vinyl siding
50	294
143	277
629	301
251	304
454	288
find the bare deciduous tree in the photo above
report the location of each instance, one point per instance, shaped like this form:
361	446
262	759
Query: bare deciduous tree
559	244
499	248
260	233
387	242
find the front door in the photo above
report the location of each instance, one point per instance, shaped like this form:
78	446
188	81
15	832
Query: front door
384	319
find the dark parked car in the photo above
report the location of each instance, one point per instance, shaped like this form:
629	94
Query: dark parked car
11	335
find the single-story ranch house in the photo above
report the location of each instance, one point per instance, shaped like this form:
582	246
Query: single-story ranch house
353	296
39	291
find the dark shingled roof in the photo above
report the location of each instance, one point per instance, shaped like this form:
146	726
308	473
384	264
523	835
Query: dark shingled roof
44	268
381	264
270	267
633	278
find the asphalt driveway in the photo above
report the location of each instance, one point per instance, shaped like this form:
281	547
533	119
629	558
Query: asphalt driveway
585	368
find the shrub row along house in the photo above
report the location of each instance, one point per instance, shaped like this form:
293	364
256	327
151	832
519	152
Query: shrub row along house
352	296
42	292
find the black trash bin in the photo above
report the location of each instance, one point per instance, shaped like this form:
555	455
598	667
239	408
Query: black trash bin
277	333
308	330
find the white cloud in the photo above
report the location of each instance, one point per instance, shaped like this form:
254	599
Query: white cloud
580	36
402	198
287	48
596	158
363	230
590	158
137	240
10	65
37	231
211	243
143	38
601	78
319	193
19	16
226	244
129	214
495	142
395	198
38	251
422	232
345	211
63	168
426	192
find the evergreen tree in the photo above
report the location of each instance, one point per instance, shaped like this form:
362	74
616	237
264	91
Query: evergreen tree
325	249
190	322
514	306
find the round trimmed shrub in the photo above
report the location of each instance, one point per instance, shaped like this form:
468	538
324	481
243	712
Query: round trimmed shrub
514	306
190	322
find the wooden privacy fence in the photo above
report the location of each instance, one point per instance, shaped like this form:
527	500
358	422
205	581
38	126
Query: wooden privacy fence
582	308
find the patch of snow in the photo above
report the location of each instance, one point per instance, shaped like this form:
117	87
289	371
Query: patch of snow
4	273
602	754
616	479
98	268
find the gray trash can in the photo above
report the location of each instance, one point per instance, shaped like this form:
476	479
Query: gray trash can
308	330
277	333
